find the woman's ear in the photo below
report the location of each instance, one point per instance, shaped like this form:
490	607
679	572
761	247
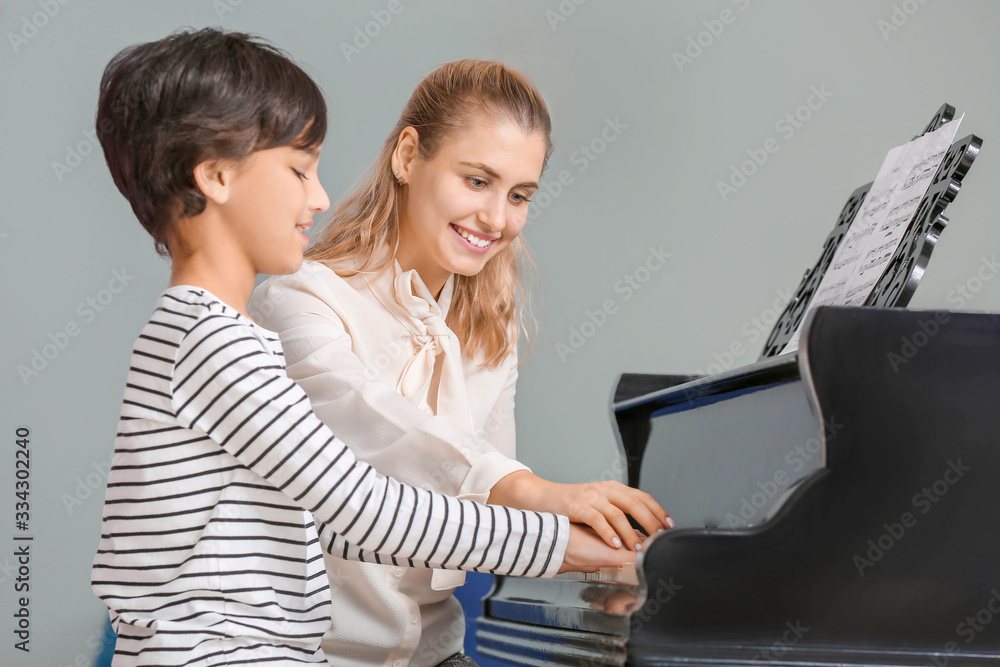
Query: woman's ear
407	149
214	178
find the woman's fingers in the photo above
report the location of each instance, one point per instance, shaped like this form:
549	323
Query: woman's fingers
642	506
612	525
606	506
645	517
598	522
620	523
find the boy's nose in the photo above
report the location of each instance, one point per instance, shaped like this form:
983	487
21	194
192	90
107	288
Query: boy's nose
319	201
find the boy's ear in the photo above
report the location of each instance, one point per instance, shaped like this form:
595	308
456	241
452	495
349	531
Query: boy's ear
214	178
407	148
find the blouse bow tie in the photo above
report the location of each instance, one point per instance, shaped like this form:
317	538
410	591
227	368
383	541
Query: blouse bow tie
433	339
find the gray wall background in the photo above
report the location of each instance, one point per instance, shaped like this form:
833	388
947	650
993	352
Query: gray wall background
65	230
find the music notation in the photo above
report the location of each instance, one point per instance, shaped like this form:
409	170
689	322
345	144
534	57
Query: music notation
923	170
878	203
857	295
845	263
877	257
889	206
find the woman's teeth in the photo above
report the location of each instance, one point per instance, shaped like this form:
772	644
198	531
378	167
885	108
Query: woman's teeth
473	239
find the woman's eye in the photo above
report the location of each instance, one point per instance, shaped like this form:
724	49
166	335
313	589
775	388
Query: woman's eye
519	198
300	175
477	183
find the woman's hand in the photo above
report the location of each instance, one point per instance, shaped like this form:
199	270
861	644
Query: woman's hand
586	552
601	505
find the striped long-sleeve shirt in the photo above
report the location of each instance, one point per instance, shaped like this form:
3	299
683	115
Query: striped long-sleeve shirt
221	475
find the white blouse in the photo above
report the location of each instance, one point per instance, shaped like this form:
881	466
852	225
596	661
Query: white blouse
384	371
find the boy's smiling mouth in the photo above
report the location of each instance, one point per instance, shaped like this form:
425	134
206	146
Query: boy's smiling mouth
302	227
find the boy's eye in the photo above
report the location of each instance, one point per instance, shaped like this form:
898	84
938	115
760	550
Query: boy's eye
300	175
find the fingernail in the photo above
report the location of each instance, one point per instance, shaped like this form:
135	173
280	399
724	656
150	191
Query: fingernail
615	541
670	523
638	547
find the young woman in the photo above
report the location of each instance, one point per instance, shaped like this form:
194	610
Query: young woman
404	324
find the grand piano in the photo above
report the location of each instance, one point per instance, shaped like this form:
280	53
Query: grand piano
835	505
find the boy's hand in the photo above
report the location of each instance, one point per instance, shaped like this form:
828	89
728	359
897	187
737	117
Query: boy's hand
601	505
586	552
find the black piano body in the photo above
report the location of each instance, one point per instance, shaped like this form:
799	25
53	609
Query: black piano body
835	506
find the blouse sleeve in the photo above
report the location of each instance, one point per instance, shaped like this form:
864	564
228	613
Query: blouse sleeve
382	427
227	386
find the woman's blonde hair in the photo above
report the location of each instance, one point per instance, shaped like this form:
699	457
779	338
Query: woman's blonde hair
487	309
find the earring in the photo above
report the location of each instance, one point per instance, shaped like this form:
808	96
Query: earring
395	172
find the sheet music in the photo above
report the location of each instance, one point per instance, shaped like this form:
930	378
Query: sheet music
881	222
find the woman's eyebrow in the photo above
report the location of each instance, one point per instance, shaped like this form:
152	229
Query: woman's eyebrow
482	167
491	173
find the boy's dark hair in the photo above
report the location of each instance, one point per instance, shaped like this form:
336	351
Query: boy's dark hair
166	106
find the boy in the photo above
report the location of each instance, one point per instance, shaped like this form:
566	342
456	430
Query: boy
223	480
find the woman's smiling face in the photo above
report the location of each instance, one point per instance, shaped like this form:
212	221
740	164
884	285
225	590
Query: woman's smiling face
468	202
